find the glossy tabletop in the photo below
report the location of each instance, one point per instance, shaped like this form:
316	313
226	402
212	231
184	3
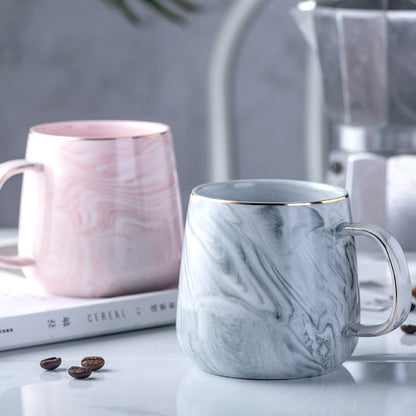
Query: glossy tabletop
146	373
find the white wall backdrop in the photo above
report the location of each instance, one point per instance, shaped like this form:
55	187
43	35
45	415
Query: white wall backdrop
78	59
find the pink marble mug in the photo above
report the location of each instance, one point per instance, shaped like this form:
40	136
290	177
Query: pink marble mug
100	211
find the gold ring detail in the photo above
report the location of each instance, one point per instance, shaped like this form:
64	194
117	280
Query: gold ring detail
165	129
282	204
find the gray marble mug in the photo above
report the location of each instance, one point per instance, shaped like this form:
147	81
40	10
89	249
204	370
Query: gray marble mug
268	285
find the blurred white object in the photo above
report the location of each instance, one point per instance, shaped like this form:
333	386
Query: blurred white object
366	184
401	198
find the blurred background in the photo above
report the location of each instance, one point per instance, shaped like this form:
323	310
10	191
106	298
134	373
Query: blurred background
65	60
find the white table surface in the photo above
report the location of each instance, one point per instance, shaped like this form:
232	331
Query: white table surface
146	373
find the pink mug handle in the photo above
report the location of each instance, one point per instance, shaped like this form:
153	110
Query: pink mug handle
7	170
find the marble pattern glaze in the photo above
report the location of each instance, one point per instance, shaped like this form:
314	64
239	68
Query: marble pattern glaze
266	291
103	217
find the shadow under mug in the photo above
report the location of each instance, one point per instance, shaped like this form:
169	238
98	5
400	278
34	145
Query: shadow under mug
100	211
268	286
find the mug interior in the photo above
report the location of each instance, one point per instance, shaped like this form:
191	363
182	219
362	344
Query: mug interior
271	192
100	129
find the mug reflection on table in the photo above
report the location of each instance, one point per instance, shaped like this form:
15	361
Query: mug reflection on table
100	210
268	284
206	395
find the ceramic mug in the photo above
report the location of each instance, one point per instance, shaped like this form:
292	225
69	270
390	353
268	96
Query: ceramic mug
100	211
268	285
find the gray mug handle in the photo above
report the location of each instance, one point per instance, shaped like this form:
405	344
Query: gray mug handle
402	288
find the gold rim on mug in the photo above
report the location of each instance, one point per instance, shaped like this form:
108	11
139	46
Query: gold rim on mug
164	130
281	204
342	192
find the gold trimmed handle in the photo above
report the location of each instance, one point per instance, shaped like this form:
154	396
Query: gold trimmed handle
402	289
7	170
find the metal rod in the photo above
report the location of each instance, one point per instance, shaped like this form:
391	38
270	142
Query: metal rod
221	140
316	136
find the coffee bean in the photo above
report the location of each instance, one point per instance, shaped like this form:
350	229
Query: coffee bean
409	329
79	372
414	291
92	363
51	363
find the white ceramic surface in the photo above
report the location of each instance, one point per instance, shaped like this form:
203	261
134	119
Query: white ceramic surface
146	373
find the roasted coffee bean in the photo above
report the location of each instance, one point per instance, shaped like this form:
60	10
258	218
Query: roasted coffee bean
92	363
51	363
79	372
409	329
414	291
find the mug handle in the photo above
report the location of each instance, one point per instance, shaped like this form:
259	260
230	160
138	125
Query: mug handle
7	170
402	289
